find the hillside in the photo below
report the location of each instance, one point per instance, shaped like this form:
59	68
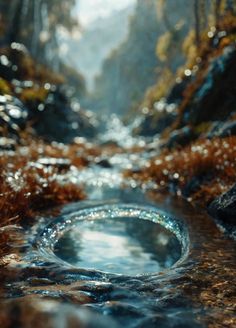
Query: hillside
134	66
87	54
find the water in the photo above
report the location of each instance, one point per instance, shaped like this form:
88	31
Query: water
119	239
125	257
191	284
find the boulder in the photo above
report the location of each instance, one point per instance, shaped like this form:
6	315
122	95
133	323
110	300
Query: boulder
223	209
156	120
215	100
153	124
223	129
176	93
181	137
13	115
56	120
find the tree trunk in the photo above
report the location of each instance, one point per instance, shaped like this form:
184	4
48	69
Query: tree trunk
197	22
203	14
217	11
14	29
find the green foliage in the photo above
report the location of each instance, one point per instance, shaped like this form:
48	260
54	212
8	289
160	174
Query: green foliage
177	20
163	46
160	89
169	43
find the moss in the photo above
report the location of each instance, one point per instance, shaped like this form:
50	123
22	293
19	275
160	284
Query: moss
163	46
34	94
4	87
202	128
159	90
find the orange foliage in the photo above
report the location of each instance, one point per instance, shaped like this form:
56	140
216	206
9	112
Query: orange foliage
211	162
28	181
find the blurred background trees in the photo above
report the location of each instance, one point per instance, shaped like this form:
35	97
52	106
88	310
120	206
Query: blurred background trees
35	23
164	36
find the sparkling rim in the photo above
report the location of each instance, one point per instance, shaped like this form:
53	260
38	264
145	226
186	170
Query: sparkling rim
45	242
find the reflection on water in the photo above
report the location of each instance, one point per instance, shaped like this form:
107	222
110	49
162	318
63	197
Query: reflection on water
120	245
118	238
195	292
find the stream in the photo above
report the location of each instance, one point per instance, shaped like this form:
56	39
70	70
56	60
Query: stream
125	257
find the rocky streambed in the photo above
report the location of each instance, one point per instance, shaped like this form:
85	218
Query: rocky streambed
126	256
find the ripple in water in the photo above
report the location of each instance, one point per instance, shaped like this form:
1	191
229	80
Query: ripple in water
121	239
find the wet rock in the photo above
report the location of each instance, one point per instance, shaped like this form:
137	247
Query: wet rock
6	68
35	281
223	209
223	130
7	143
176	93
10	59
155	124
155	121
121	310
56	120
215	100
50	119
104	163
160	321
228	129
60	163
77	297
13	114
180	137
124	295
195	183
48	107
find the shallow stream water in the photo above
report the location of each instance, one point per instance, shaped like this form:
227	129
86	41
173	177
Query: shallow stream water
127	257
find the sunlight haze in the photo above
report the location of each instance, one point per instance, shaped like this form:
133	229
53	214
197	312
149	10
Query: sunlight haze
90	10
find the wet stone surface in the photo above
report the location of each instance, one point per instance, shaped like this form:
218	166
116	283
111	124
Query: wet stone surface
223	209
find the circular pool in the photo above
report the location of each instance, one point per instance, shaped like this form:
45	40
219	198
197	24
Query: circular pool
127	239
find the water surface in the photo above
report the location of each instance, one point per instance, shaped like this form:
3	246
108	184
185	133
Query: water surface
125	245
126	257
